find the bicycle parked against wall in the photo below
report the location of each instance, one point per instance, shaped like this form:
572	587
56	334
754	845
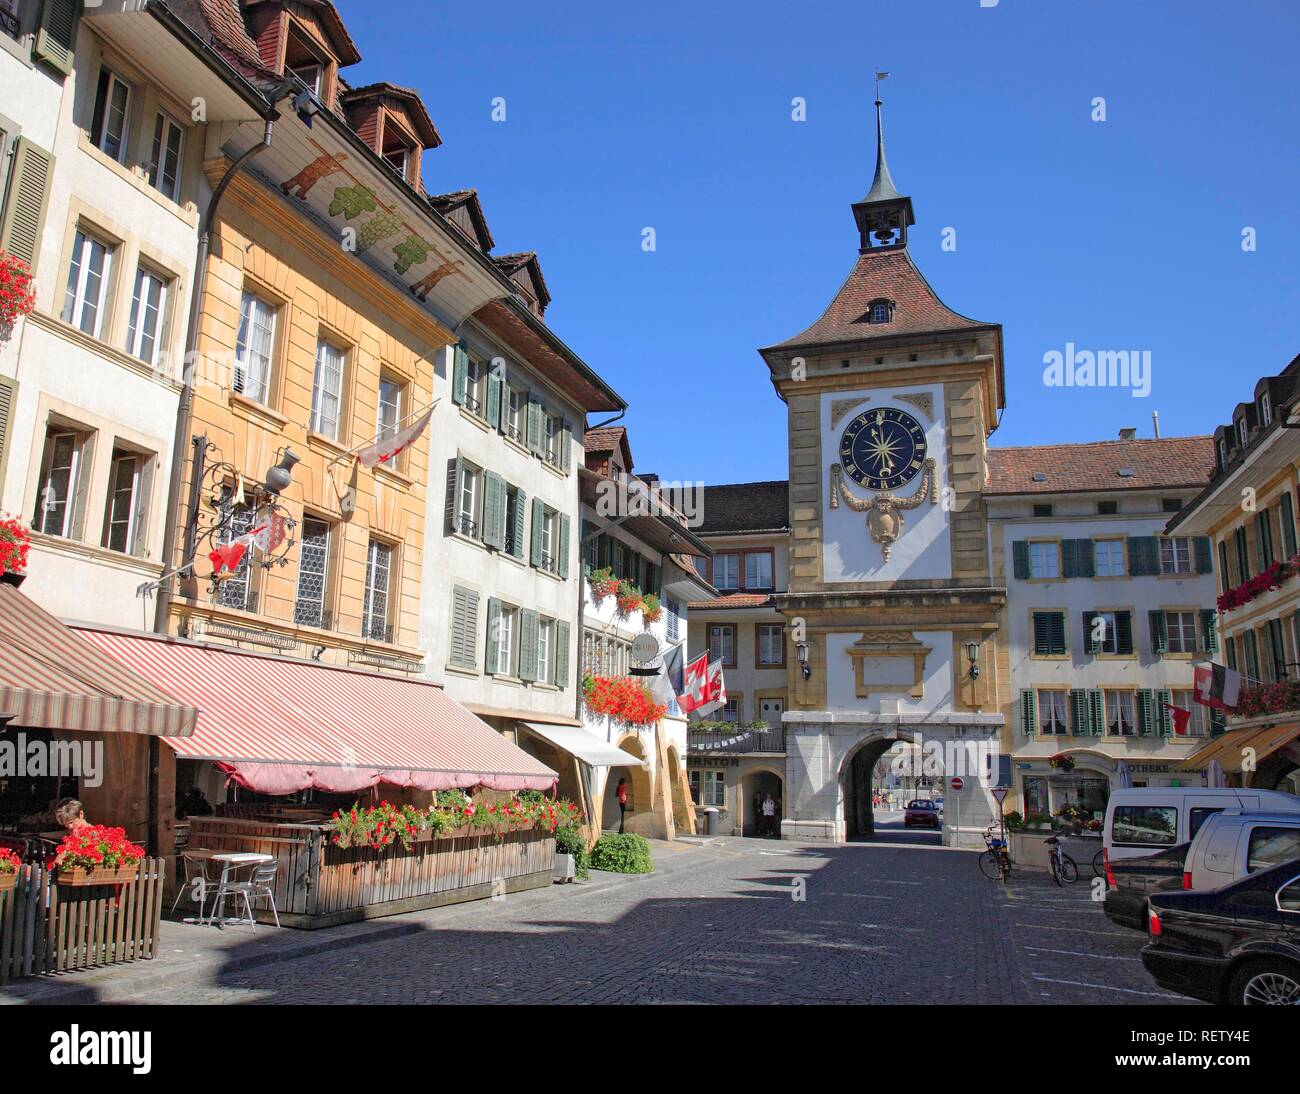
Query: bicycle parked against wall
995	863
1063	867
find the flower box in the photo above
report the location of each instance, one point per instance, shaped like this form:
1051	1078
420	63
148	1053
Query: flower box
565	869
8	881
76	876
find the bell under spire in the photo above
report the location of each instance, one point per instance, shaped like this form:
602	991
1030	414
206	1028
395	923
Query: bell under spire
884	215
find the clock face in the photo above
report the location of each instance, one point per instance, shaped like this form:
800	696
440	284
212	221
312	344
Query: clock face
882	449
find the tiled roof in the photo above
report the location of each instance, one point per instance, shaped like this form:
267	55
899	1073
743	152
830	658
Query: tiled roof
606	439
511	264
882	275
746	507
222	23
428	134
1097	465
734	600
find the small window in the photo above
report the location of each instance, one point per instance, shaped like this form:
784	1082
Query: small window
1176	555
1265	411
124	508
1108	557
144	330
475	387
1144	825
1121	719
109	123
550	547
86	297
327	390
758	570
1171	505
771	644
554	440
1180	632
470	502
311	75
62	475
1042	510
722	643
514	521
1044	560
1051	713
375	624
1107	508
398	158
1242	437
505	643
516	409
235	591
254	347
392	397
880	311
165	157
545	651
708	787
1223	452
726	572
313	574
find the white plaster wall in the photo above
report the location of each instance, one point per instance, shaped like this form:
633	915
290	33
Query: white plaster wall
923	550
841	686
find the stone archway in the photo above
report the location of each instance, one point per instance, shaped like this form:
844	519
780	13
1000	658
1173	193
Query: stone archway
640	796
856	815
755	783
680	794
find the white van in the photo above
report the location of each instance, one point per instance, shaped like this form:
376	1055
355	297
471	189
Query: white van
1232	844
1147	819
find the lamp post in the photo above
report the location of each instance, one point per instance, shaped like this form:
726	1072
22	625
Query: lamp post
973	656
801	652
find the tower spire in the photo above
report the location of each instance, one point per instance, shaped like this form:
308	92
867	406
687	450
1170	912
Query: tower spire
884	215
882	186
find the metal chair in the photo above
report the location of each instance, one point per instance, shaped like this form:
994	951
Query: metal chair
254	889
194	869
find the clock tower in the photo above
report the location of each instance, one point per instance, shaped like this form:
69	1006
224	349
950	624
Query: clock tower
891	397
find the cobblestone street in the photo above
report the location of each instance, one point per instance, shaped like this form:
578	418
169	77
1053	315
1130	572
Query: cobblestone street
878	923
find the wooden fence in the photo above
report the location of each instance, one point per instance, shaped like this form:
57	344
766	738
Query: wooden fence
49	928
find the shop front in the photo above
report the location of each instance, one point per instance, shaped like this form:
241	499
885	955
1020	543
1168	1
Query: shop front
1083	779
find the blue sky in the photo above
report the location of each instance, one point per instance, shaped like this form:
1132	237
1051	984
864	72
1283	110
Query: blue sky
1122	234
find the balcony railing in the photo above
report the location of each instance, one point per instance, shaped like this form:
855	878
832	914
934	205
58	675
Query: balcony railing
735	742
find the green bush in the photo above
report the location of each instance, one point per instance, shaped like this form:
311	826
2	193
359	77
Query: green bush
570	841
625	854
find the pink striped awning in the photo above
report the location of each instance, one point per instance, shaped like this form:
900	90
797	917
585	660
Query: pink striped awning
279	725
52	678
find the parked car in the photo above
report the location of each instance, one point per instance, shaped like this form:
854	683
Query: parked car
1238	944
1129	881
1144	820
1233	843
921	813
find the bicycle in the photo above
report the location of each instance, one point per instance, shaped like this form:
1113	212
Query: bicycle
1099	863
1063	867
995	863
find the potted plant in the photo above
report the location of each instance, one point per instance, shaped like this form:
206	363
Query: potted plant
15	542
17	296
10	864
629	597
572	859
1014	821
602	582
97	855
1061	762
651	609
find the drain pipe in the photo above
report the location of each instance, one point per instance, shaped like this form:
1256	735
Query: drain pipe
184	411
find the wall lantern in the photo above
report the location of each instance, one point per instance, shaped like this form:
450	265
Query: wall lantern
973	656
801	651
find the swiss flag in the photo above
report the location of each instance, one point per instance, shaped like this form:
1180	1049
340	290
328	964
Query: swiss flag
695	684
1181	718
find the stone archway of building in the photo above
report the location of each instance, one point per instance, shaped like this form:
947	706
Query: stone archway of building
640	795
1280	771
755	785
855	781
1089	783
683	807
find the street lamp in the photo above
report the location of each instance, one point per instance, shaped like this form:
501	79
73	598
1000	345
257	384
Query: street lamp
973	656
801	652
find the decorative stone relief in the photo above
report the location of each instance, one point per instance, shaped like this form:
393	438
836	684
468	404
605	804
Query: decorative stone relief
885	661
841	407
923	401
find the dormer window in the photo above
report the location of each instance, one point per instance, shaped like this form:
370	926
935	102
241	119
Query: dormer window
398	158
880	311
311	76
1241	432
306	62
1223	452
1265	411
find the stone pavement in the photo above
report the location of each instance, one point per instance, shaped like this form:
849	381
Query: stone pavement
736	921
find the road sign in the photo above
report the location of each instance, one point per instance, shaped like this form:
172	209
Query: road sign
957	782
645	648
1000	793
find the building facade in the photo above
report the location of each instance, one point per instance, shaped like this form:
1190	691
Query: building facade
1106	616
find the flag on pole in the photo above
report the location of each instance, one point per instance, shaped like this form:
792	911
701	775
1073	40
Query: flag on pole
716	691
668	685
385	450
1217	686
226	557
1181	718
695	683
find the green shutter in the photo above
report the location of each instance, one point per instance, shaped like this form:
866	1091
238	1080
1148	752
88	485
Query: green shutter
1076	558
517	547
455	473
1209	630
1218	722
1090	643
561	654
494	510
493	397
536	426
566	447
1028	712
1143	556
1020	559
528	627
8	399
1146	713
1204	554
1079	712
1042	636
1286	518
562	562
24	206
464	628
1124	633
493	644
459	374
1159	634
1096	713
1164	716
57	34
1264	539
535	554
1057	631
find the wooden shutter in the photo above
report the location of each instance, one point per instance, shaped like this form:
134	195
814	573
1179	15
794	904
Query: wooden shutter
455	470
566	447
464	628
57	33
1020	559
8	401
1079	712
1076	558
1090	643
1028	712
561	654
1146	713
24	207
536	425
493	398
494	510
1096	713
1209	630
1264	539
1124	633
529	623
562	562
459	374
1057	631
1042	638
1225	575
1204	553
517	546
493	644
1243	554
1069	567
1164	716
1286	519
1159	634
1218	722
535	553
1143	556
139	545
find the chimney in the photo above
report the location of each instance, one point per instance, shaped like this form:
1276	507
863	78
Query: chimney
1155	423
1128	433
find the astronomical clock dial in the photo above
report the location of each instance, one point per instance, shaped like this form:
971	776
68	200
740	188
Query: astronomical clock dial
883	449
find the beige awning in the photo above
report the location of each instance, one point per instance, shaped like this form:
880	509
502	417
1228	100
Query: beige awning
586	746
1233	747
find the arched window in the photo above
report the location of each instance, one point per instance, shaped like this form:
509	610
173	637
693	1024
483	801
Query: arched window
880	311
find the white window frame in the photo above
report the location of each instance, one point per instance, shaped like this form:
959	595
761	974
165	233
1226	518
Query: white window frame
516	408
383	429
399	160
1057	701
770	652
1125	706
100	138
253	365
549	561
1186	700
1265	410
710	786
1179	552
545	640
160	151
113	518
1109	634
1113	563
1044	556
734	560
138	335
327	389
67	524
727	634
507	618
469	504
76	299
1180	632
377	549
760	557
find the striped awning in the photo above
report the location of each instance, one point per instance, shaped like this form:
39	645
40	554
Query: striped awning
52	678
280	725
1234	747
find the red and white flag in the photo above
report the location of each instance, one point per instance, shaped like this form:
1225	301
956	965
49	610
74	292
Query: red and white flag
695	684
270	532
386	450
1216	686
1181	718
226	557
716	691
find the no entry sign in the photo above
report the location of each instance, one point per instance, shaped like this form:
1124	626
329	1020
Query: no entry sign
957	782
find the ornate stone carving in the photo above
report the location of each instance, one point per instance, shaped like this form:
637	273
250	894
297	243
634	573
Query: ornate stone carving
841	407
922	400
884	516
873	647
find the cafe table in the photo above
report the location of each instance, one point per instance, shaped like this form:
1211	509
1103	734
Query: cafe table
230	863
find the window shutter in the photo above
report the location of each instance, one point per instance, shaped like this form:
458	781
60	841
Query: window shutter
1096	713
1159	635
1028	712
56	34
1286	518
464	628
1056	622
493	398
517	547
1143	556
1077	558
139	545
1264	540
455	469
8	399
1079	712
1124	632
566	447
1225	575
1146	712
1217	722
1164	716
1042	639
1209	630
528	626
492	647
562	563
1020	559
1069	564
561	654
1204	554
535	554
536	425
459	374
24	207
1090	643
494	510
